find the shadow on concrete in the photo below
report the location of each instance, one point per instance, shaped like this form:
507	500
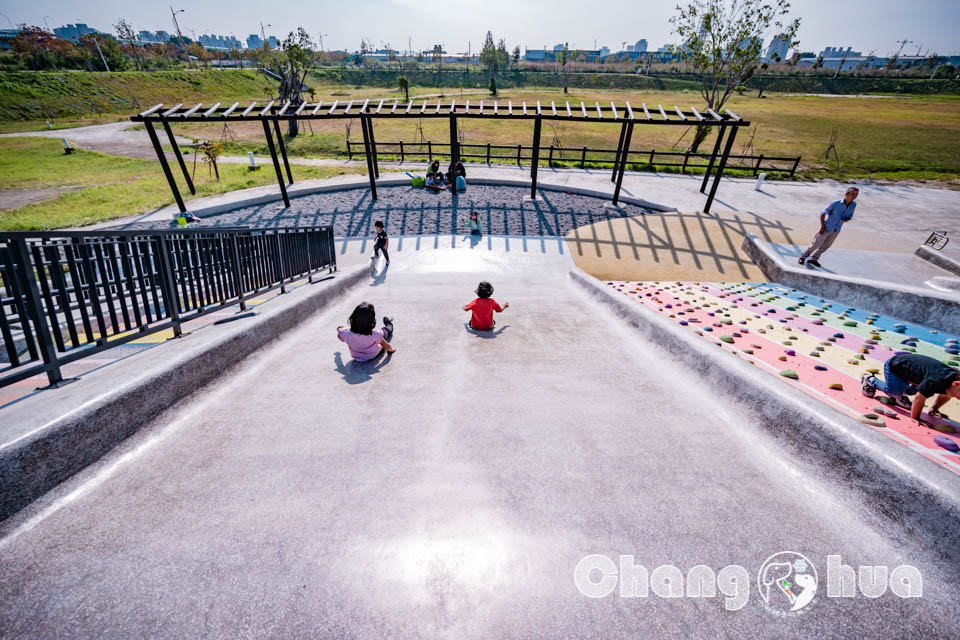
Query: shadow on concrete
379	277
488	334
704	242
355	372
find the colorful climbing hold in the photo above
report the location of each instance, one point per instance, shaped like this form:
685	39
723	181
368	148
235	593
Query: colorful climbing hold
947	443
790	373
872	419
727	339
836	386
820	367
945	428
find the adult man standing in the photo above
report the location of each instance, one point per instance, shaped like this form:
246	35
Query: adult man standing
912	373
831	221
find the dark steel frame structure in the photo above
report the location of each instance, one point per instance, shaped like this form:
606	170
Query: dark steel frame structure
67	295
272	113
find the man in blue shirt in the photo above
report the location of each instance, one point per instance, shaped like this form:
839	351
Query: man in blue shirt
831	221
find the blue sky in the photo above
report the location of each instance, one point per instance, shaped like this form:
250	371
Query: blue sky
867	25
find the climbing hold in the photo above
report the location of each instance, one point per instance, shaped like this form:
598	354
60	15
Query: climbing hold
683	323
852	361
790	352
782	358
756	346
708	328
910	349
872	419
836	386
838	335
820	348
887	400
873	371
748	351
946	443
885	411
814	354
818	321
859	356
945	428
727	339
820	367
790	373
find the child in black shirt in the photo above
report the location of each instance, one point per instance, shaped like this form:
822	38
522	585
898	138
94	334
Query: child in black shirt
382	242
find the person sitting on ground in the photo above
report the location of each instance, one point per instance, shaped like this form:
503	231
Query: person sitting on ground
431	183
461	170
911	373
831	222
364	341
460	186
434	167
483	307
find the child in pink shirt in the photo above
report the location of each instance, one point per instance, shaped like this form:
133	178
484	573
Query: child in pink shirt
365	342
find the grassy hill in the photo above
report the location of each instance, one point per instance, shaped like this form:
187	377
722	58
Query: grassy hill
48	96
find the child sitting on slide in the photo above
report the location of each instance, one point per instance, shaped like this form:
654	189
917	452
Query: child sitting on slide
365	342
483	307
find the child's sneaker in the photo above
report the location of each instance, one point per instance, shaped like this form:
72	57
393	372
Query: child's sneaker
387	322
813	263
904	401
866	388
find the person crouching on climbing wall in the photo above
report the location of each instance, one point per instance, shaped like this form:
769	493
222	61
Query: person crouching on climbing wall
483	307
909	373
382	242
364	341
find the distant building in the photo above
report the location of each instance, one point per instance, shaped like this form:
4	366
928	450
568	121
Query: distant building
604	51
274	43
219	43
840	52
777	51
552	55
73	32
640	46
6	38
254	42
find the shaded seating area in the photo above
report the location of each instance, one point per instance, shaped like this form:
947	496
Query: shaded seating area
625	116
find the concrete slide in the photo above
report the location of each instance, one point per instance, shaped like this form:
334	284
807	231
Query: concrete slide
452	490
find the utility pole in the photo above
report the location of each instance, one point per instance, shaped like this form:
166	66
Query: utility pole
97	43
180	35
262	32
902	43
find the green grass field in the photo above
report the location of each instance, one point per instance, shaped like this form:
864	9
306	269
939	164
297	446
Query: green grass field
113	187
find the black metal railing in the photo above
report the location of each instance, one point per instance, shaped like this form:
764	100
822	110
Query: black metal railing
578	156
68	295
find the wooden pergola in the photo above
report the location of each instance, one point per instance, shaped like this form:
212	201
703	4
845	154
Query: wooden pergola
271	113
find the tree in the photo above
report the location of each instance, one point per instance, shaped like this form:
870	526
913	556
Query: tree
516	56
125	32
564	59
723	40
100	49
291	62
492	57
404	85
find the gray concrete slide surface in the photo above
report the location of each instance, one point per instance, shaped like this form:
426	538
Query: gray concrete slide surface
450	491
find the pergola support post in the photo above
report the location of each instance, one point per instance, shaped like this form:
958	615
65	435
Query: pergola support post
713	159
283	149
176	152
373	148
616	161
454	142
723	164
535	161
276	162
623	162
165	165
366	152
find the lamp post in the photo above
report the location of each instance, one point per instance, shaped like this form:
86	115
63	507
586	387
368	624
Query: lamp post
321	40
180	35
263	32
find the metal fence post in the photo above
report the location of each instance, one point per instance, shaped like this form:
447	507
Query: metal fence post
756	169
278	263
429	151
34	307
583	159
237	273
169	286
401	152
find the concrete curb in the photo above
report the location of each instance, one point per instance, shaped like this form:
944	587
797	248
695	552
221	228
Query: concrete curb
935	257
892	481
905	303
57	443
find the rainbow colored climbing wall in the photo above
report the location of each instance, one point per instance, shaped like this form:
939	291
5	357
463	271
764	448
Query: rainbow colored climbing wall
821	346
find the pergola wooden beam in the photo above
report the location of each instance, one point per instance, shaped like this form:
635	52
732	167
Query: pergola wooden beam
271	114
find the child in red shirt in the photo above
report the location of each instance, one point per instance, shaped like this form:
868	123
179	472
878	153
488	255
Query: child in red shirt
483	308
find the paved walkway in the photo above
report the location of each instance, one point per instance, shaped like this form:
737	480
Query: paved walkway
448	491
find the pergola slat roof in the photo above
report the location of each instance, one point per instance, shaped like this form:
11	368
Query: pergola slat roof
271	113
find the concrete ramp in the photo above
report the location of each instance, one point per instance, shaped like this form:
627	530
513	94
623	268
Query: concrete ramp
450	490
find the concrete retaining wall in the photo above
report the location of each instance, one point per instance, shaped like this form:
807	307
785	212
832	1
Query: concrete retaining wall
891	480
50	436
905	303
